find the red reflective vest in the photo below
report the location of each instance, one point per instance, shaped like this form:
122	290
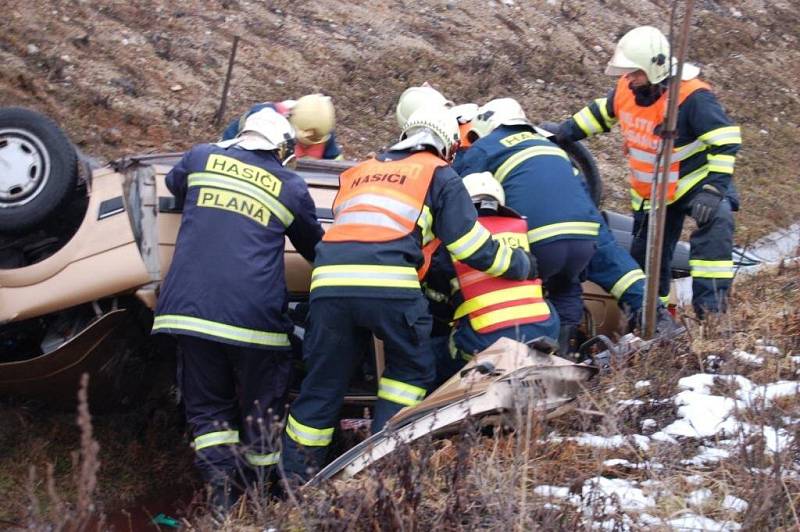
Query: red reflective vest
638	125
493	303
380	201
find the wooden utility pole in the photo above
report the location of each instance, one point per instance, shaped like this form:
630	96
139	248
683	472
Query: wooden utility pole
658	195
224	99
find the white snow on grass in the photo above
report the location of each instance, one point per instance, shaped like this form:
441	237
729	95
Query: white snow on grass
747	358
616	490
734	504
707	455
609	442
694	522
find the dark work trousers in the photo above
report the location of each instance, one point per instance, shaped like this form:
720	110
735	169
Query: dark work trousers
335	342
232	396
710	256
561	267
614	269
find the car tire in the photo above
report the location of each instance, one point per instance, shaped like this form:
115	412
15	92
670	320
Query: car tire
583	159
38	169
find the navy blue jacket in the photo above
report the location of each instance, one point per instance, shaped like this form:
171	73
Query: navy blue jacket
226	282
332	149
539	182
449	215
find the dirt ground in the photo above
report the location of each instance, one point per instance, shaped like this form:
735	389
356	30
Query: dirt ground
125	77
129	77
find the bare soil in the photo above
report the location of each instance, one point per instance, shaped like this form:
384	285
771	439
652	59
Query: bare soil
125	77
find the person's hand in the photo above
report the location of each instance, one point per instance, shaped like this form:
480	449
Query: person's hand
705	204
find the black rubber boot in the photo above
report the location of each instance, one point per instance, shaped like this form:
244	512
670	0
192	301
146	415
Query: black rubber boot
568	341
222	496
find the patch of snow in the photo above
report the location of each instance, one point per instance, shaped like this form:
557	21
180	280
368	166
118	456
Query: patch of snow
630	402
642	384
706	455
695	522
702	415
649	423
770	392
628	496
694	479
699	497
747	358
612	442
663	437
734	504
625	463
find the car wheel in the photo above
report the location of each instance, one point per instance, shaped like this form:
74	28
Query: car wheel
38	168
583	159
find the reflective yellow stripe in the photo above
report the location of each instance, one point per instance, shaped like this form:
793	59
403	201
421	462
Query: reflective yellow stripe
520	157
400	392
712	269
626	281
686	151
222	437
169	322
260	460
602	104
468	244
721	163
425	223
502	260
722	136
587	122
498	296
563	228
507	314
664	299
364	275
687	182
308	436
277	208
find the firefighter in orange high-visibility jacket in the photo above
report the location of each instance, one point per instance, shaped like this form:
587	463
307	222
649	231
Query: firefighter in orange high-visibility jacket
702	161
365	280
487	308
224	298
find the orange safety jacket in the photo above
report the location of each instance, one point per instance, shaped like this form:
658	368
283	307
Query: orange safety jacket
380	201
642	143
493	303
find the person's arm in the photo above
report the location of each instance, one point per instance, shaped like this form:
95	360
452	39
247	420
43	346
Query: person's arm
176	179
305	231
597	117
455	222
472	160
711	125
332	149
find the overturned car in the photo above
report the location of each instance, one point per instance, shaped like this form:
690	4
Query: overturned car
84	247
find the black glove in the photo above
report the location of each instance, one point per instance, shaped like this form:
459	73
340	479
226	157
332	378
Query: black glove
705	204
534	271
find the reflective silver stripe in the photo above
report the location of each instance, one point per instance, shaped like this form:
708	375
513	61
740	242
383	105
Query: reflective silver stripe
626	281
647	177
365	275
643	156
261	460
400	392
565	228
475	237
283	214
384	202
370	218
222	437
587	122
684	152
170	322
520	157
722	136
308	436
721	163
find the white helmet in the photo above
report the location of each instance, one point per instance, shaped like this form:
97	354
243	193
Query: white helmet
431	126
465	112
646	48
313	118
268	130
414	98
482	186
496	113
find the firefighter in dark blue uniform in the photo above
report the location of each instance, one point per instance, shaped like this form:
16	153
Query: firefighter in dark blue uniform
225	297
365	280
313	118
702	162
539	183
